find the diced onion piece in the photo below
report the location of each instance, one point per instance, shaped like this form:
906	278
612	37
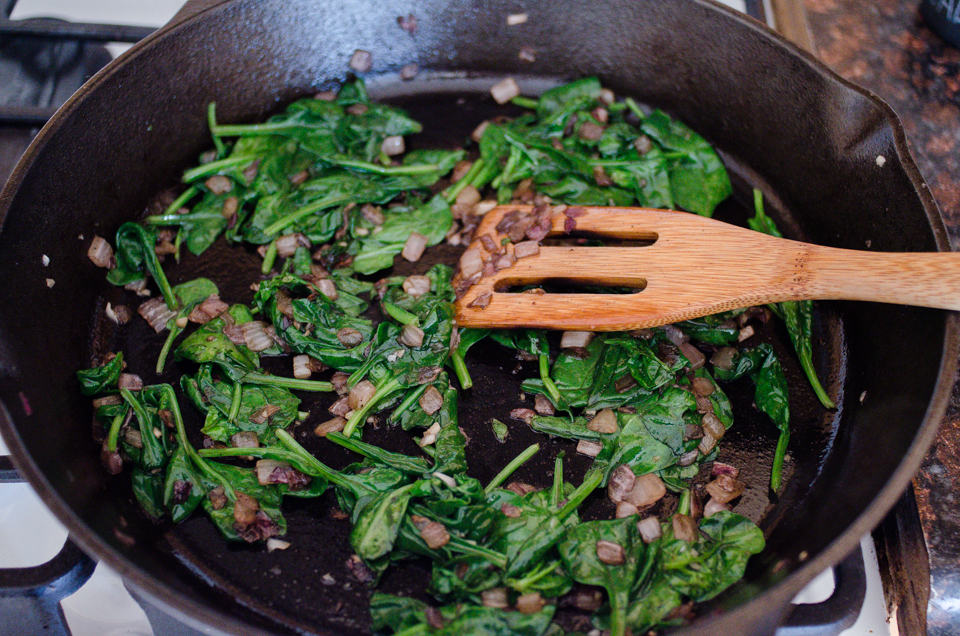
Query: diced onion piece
685	528
524	415
361	61
588	448
264	470
361	394
694	355
647	490
530	603
101	253
713	426
610	553
703	387
393	145
484	206
416	285
156	313
471	263
725	488
745	333
724	358
468	196
301	367
576	339
349	337
414	247
434	534
288	243
431	400
495	597
334	425
255	337
274	543
543	405
516	18
688	458
620	483
505	90
604	422
328	288
219	184
707	443
626	509
245	439
130	381
409	71
477	133
649	529
525	249
713	506
411	336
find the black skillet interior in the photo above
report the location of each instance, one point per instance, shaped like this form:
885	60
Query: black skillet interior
783	123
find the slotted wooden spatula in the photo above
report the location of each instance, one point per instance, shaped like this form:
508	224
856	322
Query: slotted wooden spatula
693	266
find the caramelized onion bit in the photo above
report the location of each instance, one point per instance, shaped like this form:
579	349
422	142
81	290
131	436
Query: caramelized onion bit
530	603
156	313
361	394
647	490
684	528
725	488
649	529
411	336
334	425
620	483
414	247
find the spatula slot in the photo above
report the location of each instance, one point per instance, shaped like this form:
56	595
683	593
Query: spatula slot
561	285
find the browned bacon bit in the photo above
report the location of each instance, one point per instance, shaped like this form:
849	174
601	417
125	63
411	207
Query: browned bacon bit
261	529
527	54
543	224
341	407
524	415
361	61
217	497
130	381
526	249
434	534
720	468
434	618
339	381
409	71
245	439
101	253
285	474
725	488
431	400
530	603
601	177
685	528
569	225
408	24
489	269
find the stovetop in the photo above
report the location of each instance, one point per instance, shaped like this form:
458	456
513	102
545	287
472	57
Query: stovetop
20	508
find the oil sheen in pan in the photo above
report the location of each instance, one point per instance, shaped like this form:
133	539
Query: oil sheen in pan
309	585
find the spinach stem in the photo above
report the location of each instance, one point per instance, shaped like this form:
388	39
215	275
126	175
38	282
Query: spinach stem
465	547
212	124
168	218
214	167
778	457
307	210
167	345
460	368
252	130
358	416
235	402
407	402
114	434
593	479
270	257
806	362
557	491
387	170
548	382
525	102
511	468
178	203
683	507
188	447
263	379
402	316
635	108
450	194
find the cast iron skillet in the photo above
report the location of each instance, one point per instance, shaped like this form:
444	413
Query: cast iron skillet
783	122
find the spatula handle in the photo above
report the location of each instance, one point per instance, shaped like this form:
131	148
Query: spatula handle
921	279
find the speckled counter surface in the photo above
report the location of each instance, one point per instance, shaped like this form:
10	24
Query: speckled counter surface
885	46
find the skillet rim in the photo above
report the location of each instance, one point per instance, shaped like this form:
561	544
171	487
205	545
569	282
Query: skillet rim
203	615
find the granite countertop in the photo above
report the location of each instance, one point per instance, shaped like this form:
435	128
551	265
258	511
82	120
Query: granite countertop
885	46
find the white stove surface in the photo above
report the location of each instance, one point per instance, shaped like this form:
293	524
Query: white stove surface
21	508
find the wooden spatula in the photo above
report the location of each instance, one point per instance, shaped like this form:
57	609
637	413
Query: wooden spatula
693	266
